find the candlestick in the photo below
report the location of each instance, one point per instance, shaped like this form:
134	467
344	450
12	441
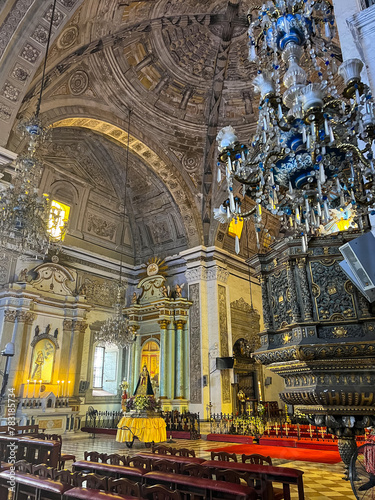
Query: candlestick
68	389
40	388
34	388
27	388
62	388
58	388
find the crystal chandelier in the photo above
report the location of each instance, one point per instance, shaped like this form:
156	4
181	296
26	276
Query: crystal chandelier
310	160
116	330
26	225
24	213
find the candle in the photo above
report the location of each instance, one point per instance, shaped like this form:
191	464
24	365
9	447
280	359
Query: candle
34	388
62	388
40	387
68	388
27	389
58	388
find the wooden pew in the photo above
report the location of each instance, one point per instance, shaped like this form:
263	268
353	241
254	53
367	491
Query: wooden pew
29	484
103	469
200	488
265	473
32	450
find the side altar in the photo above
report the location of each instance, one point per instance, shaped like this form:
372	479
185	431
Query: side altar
142	418
159	315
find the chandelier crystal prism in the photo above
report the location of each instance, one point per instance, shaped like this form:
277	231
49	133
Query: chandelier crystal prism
311	158
116	331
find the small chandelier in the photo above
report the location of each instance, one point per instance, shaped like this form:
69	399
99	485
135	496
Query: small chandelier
116	330
310	160
26	225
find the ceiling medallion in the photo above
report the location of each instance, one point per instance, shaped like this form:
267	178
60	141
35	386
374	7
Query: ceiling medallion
305	163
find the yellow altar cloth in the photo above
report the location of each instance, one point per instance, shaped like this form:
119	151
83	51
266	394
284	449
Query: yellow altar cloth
145	429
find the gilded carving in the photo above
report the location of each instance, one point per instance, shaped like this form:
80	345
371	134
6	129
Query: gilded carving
340	331
331	306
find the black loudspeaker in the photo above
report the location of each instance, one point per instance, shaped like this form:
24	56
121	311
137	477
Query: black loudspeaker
205	380
224	363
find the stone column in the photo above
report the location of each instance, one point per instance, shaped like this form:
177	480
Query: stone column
163	358
136	357
179	386
9	334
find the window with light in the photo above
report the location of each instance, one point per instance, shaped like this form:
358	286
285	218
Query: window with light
58	220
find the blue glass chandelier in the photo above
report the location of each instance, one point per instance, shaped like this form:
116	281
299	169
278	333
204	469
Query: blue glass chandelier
311	158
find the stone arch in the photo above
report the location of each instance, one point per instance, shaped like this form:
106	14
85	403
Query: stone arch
171	178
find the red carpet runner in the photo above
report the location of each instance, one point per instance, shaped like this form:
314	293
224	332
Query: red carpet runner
292	454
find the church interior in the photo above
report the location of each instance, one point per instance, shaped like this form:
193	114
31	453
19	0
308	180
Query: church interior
187	242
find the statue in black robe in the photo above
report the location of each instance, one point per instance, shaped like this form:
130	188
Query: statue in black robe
144	387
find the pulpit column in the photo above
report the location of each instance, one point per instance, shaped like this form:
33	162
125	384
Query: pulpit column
163	358
179	388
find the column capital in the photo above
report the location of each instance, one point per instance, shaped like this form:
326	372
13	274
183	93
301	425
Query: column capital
180	324
26	317
163	323
74	324
202	273
10	315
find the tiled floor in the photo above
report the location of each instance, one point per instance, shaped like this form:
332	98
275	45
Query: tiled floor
321	481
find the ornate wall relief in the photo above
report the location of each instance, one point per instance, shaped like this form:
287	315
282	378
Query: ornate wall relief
101	227
195	346
224	349
245	323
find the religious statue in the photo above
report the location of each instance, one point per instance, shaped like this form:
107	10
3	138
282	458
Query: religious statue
135	298
178	290
37	373
47	330
241	396
22	277
165	291
144	387
37	331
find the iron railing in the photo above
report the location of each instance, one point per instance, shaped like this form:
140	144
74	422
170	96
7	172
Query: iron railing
182	422
103	419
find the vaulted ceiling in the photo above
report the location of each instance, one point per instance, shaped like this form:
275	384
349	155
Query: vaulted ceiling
179	68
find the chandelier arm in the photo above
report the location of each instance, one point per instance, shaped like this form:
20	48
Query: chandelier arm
244	215
270	155
347	117
346	146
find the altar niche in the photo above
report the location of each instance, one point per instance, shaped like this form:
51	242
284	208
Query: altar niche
151	358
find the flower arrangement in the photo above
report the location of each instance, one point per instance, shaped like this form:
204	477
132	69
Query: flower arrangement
145	403
124	386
